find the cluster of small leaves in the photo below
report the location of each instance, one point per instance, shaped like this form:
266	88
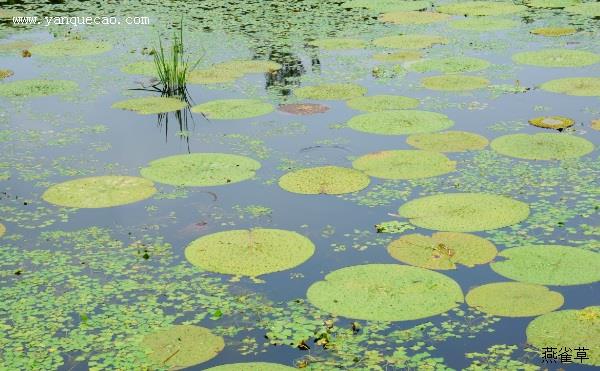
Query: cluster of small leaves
499	357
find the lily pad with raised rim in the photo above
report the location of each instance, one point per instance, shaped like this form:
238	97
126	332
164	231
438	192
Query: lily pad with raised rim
377	103
578	86
330	91
70	48
36	88
542	146
454	82
404	164
232	109
448	141
324	180
477	8
411	41
413	17
400	122
552	122
557	58
151	105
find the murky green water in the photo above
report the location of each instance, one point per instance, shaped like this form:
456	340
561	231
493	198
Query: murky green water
158	275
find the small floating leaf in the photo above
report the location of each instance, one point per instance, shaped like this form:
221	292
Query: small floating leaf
231	109
400	122
330	91
404	164
542	146
151	105
2	230
324	180
448	141
376	103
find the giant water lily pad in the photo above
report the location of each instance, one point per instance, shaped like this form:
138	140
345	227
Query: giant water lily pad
551	4
387	5
151	105
70	48
553	31
252	366
385	292
182	346
567	329
411	41
448	141
324	180
404	164
201	169
399	56
100	191
412	17
464	212
400	122
231	109
542	146
450	65
591	9
36	88
2	230
250	252
213	75
552	122
145	68
483	24
330	91
248	66
471	8
454	82
549	265
339	43
443	250
514	299
376	103
578	86
557	58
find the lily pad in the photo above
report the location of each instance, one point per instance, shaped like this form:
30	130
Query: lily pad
400	122
472	8
377	103
232	109
542	146
36	88
552	122
591	9
578	86
339	43
70	48
514	299
411	41
331	180
404	164
454	82
2	230
443	250
385	292
100	191
303	108
15	46
245	66
448	141
182	346
551	4
555	265
554	31
252	366
464	212
145	68
450	65
483	24
5	73
251	252
557	58
213	75
399	56
151	105
595	125
565	328
201	169
387	5
330	91
412	17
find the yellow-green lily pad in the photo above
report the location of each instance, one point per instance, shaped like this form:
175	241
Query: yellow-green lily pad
399	56
404	164
377	103
145	68
448	141
514	299
450	65
551	4
331	180
387	5
454	82
443	250
476	8
201	169
70	48
99	191
464	212
251	252
413	17
578	86
5	73
400	122
338	43
385	292
151	105
483	24
330	91
555	265
554	31
591	9
182	346
232	109
252	366
36	88
557	58
552	122
542	146
411	41
2	229
213	75
245	66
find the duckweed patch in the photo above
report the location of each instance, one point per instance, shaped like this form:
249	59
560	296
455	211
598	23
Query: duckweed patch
400	122
36	88
70	48
412	17
151	105
233	109
377	103
330	91
478	8
450	65
339	43
324	180
454	82
557	58
552	122
542	146
448	141
578	86
554	31
404	164
410	41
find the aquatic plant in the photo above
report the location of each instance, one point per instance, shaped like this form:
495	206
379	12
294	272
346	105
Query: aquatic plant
400	122
2	229
554	31
410	41
454	82
324	180
413	17
375	103
483	24
151	105
542	146
577	86
478	8
338	43
450	65
233	109
552	122
303	108
330	91
557	58
252	366
36	88
5	73
590	9
448	141
404	164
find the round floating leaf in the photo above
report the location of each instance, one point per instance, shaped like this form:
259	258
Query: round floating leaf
70	48
100	191
404	164
450	65
412	17
387	5
454	82
557	58
554	31
249	252
331	180
595	124
448	141
382	103
248	66
182	346
400	122
591	9
412	41
542	146
443	250
385	292
568	329
549	265
400	56
303	108
552	122
252	366
339	43
578	86
231	109
552	4
2	230
201	169
145	68
5	73
330	91
151	105
482	24
36	88
514	299
471	8
464	212
213	75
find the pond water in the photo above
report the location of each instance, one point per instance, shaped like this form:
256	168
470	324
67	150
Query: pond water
381	262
